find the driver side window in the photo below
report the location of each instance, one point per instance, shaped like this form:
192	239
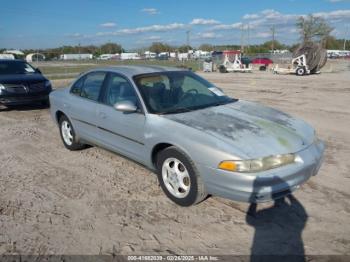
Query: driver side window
119	89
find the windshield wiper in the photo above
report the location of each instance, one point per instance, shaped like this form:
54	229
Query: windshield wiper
223	102
176	110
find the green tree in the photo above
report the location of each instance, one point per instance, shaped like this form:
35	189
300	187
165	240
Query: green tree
313	28
206	47
158	47
111	48
184	48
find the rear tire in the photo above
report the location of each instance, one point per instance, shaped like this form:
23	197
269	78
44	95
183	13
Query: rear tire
179	178
68	136
222	69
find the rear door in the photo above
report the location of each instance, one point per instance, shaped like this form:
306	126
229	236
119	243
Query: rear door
120	131
83	104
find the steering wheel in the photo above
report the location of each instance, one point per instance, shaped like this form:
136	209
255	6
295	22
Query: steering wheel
189	93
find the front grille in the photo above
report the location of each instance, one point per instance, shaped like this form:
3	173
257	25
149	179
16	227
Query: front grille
36	87
15	88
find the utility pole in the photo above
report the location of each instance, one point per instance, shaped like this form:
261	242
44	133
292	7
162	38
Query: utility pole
346	34
273	39
79	51
242	44
188	37
248	42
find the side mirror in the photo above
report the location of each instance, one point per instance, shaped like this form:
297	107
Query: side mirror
37	70
125	106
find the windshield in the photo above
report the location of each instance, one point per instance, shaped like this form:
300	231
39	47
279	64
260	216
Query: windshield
178	91
15	67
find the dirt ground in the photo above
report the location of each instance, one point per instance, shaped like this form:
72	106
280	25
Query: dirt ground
53	201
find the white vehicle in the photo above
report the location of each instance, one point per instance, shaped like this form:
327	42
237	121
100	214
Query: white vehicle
150	55
105	57
235	66
199	54
7	56
130	56
76	56
338	53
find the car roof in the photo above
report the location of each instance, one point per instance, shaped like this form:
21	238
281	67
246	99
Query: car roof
133	70
12	60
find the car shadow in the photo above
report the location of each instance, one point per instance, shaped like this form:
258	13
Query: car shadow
28	107
278	229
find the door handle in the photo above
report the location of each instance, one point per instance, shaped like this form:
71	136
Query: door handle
102	115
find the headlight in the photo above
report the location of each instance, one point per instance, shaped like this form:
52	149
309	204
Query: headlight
257	165
2	87
47	83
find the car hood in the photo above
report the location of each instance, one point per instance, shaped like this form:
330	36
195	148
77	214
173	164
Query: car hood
20	78
253	129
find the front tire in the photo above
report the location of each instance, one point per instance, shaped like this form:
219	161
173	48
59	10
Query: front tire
68	134
179	178
300	71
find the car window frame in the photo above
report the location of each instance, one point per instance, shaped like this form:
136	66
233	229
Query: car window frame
83	77
104	91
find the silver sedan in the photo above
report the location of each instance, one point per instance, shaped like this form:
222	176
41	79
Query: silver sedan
198	140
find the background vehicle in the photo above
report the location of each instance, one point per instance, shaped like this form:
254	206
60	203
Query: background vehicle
262	61
20	83
197	139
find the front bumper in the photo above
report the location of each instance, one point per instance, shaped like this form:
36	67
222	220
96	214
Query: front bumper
8	99
267	185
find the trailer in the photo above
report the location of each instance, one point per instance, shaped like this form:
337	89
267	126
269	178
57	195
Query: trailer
76	56
130	56
236	66
35	57
299	67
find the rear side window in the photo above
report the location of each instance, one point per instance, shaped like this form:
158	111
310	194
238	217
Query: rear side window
92	85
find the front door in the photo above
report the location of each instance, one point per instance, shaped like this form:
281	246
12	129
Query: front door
121	131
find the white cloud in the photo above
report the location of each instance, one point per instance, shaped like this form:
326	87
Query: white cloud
227	26
76	35
153	38
338	14
263	35
251	16
207	35
152	28
150	11
202	21
108	25
145	29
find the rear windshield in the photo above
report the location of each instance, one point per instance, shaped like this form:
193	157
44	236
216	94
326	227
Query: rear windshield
15	67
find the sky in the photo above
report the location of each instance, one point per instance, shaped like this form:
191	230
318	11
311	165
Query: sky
137	23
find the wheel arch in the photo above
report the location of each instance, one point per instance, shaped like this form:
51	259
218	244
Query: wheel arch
163	145
58	115
156	149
